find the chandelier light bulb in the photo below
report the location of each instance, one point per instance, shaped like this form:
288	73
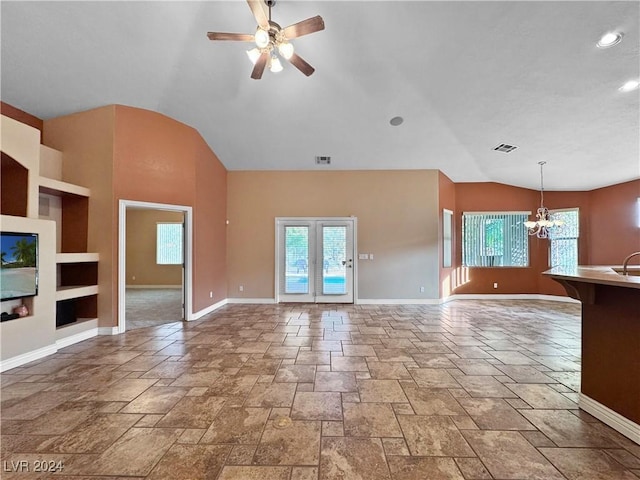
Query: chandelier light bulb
275	66
286	50
254	55
609	39
261	38
630	85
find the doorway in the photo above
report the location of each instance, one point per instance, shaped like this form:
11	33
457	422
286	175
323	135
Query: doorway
156	290
315	260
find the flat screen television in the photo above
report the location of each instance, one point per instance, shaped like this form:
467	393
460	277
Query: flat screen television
19	270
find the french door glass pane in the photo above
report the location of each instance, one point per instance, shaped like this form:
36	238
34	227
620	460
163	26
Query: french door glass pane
296	259
334	260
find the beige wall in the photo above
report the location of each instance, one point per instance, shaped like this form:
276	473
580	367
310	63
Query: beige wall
141	265
397	215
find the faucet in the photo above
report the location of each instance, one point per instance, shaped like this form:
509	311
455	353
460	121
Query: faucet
625	263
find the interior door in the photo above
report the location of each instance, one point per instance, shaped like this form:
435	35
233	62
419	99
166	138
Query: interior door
315	260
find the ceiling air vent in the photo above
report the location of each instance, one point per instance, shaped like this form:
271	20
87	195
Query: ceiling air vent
505	148
323	160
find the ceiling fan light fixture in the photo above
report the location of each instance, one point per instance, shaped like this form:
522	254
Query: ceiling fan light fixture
610	39
254	55
261	38
286	49
275	65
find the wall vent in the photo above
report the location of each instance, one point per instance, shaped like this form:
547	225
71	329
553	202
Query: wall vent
321	160
505	148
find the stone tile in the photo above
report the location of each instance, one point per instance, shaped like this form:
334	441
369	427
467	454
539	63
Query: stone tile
358	351
484	386
541	396
61	419
623	457
194	462
473	469
343	458
565	429
191	435
281	352
370	420
537	439
388	371
156	400
476	366
381	391
335	382
149	420
255	473
304	473
317	406
241	455
237	425
348	364
264	366
395	446
433	378
513	358
193	412
313	358
326	346
525	374
295	373
200	378
296	444
332	429
414	468
393	355
494	414
96	434
507	455
585	463
231	386
433	436
35	405
272	395
432	401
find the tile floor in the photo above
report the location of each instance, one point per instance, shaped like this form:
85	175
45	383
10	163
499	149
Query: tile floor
468	390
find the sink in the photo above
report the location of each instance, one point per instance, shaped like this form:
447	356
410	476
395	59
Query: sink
632	271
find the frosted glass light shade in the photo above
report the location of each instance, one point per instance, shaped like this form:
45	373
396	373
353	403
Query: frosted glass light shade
286	50
261	38
275	65
254	55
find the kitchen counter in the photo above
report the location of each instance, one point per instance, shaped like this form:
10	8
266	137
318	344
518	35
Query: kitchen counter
610	374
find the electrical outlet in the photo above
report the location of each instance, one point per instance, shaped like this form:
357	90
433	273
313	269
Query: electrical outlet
241	288
495	285
421	289
371	256
210	294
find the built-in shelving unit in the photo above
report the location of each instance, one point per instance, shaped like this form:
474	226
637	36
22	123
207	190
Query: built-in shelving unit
75	291
58	187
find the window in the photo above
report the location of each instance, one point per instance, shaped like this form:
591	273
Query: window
563	249
169	244
495	239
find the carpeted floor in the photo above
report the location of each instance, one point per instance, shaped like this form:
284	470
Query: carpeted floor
149	307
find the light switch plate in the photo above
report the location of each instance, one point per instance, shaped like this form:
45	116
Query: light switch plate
363	256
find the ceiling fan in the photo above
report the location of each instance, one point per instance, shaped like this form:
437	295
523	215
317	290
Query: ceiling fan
271	39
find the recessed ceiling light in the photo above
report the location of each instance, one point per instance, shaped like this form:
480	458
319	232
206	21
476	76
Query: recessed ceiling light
630	85
610	39
395	121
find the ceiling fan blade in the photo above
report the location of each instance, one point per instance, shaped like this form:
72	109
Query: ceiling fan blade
298	62
258	70
240	37
305	27
262	17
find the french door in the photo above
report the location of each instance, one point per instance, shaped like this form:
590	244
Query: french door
315	260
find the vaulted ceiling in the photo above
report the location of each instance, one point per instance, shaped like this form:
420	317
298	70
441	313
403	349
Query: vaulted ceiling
465	76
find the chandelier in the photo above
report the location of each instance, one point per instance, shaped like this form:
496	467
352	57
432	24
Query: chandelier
544	220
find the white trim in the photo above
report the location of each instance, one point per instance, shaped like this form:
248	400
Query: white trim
188	249
76	338
209	309
513	296
399	301
154	286
108	331
257	301
616	421
19	360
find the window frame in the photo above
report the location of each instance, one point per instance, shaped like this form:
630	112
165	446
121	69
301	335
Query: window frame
552	212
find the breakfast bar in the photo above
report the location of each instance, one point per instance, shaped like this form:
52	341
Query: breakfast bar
610	378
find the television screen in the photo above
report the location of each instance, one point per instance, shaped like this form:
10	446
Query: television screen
19	272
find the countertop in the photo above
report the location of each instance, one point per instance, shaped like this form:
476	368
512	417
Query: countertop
603	275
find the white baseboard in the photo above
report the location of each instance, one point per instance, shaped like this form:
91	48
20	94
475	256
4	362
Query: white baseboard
153	286
19	360
398	301
108	331
616	421
508	296
267	301
209	309
78	337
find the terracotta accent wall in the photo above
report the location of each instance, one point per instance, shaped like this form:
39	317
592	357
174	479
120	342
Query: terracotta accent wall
614	215
446	200
397	215
141	263
21	116
158	159
86	141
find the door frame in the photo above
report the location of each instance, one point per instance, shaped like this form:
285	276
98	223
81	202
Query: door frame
277	222
122	254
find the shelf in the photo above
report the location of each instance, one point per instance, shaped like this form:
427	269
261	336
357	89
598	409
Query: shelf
79	326
76	257
67	293
57	187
